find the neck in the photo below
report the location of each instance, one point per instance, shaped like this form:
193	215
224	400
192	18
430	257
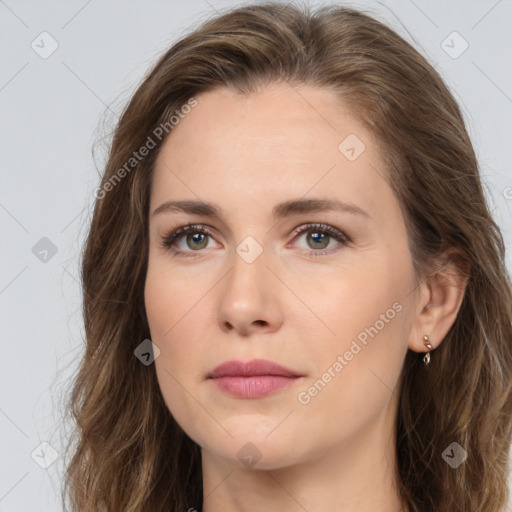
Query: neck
357	476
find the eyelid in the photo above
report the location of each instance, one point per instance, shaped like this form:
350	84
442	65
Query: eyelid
320	226
174	234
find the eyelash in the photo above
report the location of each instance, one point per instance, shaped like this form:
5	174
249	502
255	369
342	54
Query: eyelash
169	240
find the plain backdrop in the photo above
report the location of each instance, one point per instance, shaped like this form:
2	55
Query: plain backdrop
63	65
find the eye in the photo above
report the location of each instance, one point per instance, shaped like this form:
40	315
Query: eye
195	237
318	236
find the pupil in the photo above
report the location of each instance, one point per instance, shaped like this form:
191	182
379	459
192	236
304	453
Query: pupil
194	238
315	236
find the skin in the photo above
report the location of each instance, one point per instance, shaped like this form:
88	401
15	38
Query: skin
291	306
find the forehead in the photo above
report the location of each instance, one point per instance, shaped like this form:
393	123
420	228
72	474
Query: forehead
279	116
282	141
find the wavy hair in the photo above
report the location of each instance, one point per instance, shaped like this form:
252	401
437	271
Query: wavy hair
127	452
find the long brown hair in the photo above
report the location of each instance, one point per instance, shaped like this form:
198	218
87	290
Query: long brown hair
128	453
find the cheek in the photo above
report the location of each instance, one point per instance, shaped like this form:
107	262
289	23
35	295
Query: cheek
177	320
176	367
169	299
366	310
169	308
356	372
347	299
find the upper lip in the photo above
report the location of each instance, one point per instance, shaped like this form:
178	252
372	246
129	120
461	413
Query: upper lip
251	368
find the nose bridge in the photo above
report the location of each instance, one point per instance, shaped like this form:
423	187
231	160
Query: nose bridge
249	296
248	266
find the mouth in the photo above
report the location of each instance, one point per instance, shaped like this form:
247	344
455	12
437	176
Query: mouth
252	379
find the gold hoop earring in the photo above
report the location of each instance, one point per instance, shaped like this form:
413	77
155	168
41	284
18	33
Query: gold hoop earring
426	342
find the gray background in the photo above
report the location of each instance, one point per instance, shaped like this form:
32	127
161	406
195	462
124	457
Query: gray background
51	111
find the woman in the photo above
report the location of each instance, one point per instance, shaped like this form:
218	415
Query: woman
295	297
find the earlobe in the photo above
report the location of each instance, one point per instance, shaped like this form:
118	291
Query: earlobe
440	299
426	342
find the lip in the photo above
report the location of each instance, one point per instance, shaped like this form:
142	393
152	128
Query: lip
251	368
252	379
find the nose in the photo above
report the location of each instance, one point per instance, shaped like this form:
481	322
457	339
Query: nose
249	299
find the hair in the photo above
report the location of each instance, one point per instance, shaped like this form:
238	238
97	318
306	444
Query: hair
128	452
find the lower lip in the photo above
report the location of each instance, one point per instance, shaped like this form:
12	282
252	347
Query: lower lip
255	386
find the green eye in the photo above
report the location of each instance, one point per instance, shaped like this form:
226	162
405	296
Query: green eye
318	237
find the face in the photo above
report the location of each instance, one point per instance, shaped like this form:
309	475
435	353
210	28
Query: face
267	272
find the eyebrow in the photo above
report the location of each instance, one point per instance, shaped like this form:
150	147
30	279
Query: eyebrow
280	211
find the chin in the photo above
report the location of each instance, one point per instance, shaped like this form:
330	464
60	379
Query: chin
252	447
254	456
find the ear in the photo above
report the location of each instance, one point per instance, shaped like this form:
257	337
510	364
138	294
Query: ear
439	301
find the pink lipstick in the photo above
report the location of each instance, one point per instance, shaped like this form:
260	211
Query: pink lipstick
253	379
